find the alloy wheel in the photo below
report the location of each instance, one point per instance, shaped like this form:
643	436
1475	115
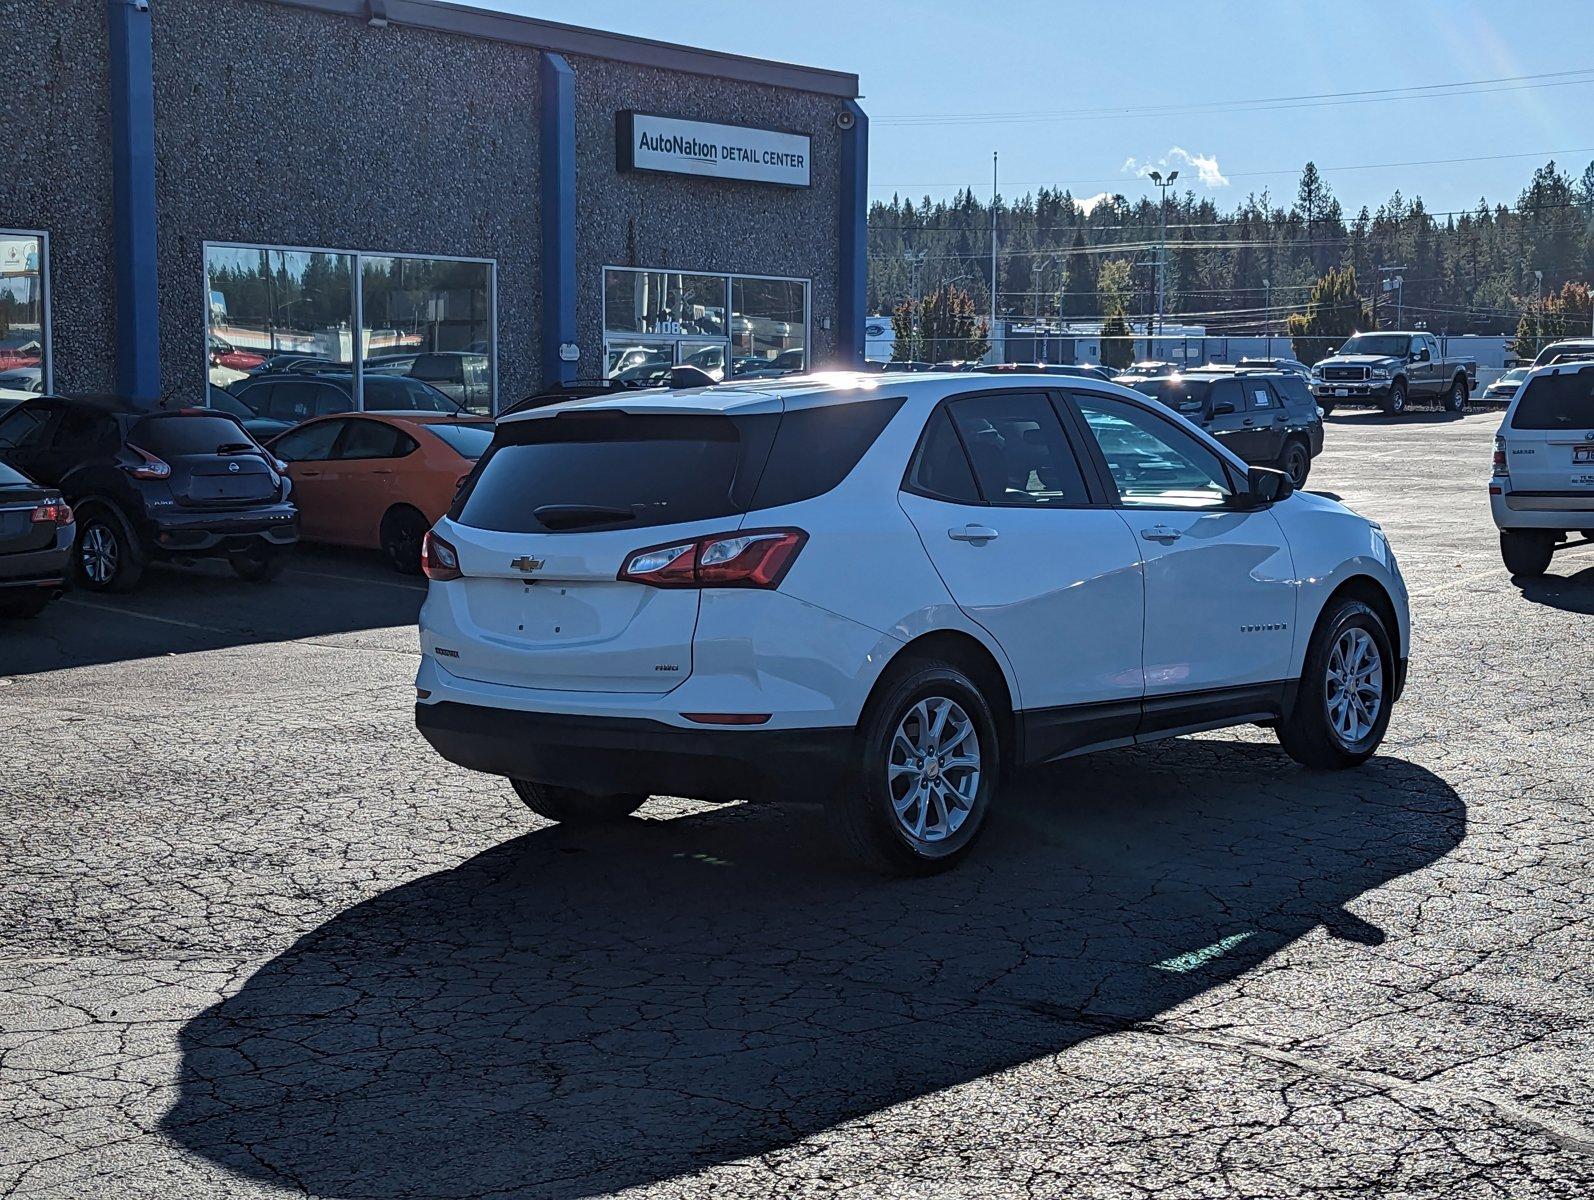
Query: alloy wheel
933	772
99	554
1354	688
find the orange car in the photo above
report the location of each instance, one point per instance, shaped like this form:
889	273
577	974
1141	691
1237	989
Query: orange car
378	480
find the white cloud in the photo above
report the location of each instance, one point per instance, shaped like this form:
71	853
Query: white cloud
1086	203
1180	159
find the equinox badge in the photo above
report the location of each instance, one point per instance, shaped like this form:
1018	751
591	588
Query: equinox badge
526	563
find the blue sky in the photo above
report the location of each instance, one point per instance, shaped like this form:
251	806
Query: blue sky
941	59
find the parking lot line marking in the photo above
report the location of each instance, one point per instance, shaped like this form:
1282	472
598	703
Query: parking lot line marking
392	583
129	612
1197	958
1449	584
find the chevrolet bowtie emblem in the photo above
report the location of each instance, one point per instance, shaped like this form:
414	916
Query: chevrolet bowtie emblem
526	563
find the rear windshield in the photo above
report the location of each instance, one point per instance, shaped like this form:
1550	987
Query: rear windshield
468	441
187	434
608	470
1564	401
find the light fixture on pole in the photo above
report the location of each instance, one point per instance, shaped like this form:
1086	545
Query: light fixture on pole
1162	240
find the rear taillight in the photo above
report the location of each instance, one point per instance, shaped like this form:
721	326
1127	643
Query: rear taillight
1500	468
54	512
150	468
439	560
753	558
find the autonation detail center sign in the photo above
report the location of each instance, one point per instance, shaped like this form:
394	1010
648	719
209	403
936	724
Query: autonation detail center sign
676	147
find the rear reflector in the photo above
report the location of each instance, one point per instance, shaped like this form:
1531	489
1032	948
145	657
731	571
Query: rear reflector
422	694
727	718
439	560
750	558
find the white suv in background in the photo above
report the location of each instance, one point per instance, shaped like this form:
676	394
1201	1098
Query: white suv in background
883	594
1542	489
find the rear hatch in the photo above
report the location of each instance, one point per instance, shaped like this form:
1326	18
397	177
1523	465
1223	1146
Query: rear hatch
19	496
557	506
214	463
1549	435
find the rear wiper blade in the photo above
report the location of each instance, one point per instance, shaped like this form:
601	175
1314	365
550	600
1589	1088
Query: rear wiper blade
573	516
236	448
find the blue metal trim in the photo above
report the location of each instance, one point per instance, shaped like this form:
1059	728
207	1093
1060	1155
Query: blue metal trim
132	97
558	216
853	293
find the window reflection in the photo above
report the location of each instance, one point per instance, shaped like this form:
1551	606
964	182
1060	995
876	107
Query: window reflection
24	338
664	302
430	319
769	325
268	308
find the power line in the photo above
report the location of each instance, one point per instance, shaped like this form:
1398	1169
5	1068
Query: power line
1431	91
1418	162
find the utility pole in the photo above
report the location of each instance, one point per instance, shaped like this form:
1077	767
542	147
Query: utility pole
1162	241
1538	310
1395	282
994	155
915	261
1267	313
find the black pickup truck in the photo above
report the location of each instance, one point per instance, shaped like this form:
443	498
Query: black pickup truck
1392	371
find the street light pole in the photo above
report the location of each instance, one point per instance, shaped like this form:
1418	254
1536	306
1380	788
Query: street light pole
1267	314
994	155
1162	241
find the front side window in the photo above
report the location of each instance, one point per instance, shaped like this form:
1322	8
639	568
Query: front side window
1017	449
1154	463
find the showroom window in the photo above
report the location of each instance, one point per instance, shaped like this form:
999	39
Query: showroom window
345	316
726	325
25	365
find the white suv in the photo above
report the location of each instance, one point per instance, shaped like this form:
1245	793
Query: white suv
884	593
1542	488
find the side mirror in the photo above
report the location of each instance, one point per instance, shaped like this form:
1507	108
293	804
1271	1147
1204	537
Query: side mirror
1223	408
1266	486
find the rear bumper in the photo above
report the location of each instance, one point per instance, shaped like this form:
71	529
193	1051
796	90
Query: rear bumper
44	568
1512	510
198	532
609	755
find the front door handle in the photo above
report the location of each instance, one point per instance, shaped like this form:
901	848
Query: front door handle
978	534
1247	421
309	474
1160	533
381	471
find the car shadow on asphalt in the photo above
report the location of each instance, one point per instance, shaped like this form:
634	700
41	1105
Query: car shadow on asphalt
1572	592
322	591
579	1011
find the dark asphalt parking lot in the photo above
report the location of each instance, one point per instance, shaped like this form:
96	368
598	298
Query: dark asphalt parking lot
261	941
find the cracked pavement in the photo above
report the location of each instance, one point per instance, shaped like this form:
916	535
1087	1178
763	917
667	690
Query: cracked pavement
260	941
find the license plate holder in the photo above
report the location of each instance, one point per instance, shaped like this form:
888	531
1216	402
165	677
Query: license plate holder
1341	391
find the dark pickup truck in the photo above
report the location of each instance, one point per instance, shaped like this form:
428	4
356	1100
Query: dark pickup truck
1392	371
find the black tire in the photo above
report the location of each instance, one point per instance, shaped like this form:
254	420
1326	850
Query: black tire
403	530
1296	461
1527	552
260	564
1308	734
1456	397
24	608
1395	404
863	811
570	807
105	557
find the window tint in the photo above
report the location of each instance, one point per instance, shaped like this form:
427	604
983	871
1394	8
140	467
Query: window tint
187	434
1152	461
311	443
28	426
394	393
1229	392
469	441
940	468
85	431
1294	391
1017	449
374	439
1182	395
816	448
1564	401
610	470
1258	397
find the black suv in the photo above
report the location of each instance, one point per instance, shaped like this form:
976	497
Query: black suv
281	401
1268	418
182	484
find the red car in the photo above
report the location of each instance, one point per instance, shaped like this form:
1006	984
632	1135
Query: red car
224	354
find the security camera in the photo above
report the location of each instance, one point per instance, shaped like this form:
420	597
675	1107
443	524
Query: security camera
845	120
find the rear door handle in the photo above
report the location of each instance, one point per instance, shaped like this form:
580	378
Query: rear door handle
309	474
381	470
972	533
1160	533
1247	421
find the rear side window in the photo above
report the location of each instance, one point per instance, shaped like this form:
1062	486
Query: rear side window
610	470
940	468
1564	401
374	439
816	448
186	434
1258	398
